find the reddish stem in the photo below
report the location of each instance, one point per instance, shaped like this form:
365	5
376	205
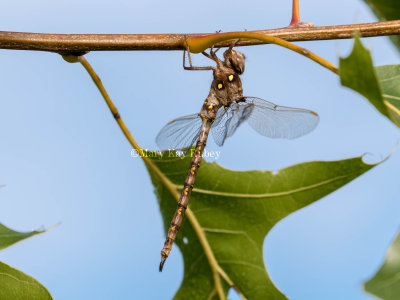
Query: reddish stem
295	13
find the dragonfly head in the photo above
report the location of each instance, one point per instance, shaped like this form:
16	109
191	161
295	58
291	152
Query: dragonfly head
234	60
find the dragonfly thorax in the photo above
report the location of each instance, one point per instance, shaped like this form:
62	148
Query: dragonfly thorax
226	85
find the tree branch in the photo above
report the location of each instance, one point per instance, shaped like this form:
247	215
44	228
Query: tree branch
81	43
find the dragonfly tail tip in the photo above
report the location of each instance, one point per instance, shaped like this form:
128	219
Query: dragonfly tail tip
163	259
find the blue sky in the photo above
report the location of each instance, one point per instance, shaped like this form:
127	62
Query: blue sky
63	158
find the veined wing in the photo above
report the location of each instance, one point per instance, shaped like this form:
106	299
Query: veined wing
180	133
276	121
229	119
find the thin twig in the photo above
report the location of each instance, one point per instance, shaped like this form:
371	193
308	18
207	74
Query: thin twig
230	282
81	43
208	252
216	269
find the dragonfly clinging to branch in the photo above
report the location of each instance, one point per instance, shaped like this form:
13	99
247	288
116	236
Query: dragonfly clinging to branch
224	109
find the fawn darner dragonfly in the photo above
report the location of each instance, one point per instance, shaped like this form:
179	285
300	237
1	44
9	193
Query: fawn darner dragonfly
223	111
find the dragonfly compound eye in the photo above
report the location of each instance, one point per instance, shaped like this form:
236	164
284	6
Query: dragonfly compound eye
234	60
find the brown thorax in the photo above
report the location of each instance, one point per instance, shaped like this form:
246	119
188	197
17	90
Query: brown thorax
226	86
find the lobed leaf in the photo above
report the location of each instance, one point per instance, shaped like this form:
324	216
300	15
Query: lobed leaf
17	285
9	237
386	10
386	282
380	85
236	210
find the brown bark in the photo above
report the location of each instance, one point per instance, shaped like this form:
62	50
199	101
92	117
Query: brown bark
81	43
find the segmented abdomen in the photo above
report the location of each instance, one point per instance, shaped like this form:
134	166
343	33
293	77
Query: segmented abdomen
187	190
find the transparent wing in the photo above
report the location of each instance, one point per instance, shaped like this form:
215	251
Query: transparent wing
276	121
180	133
229	119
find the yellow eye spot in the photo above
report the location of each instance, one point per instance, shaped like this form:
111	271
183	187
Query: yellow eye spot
219	86
230	77
173	228
210	107
179	211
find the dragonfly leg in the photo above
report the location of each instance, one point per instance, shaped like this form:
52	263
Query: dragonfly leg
190	62
212	52
295	22
207	55
233	44
212	55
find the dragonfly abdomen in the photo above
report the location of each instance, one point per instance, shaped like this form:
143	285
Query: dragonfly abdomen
186	192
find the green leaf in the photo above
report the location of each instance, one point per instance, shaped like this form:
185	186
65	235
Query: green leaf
17	285
386	282
236	210
9	236
389	80
380	85
386	10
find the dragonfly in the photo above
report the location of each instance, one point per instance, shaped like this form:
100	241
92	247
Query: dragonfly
223	111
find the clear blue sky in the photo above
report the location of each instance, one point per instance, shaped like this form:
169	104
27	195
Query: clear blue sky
63	158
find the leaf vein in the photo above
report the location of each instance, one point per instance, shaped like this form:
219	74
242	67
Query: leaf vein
269	195
391	97
218	230
390	78
242	263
